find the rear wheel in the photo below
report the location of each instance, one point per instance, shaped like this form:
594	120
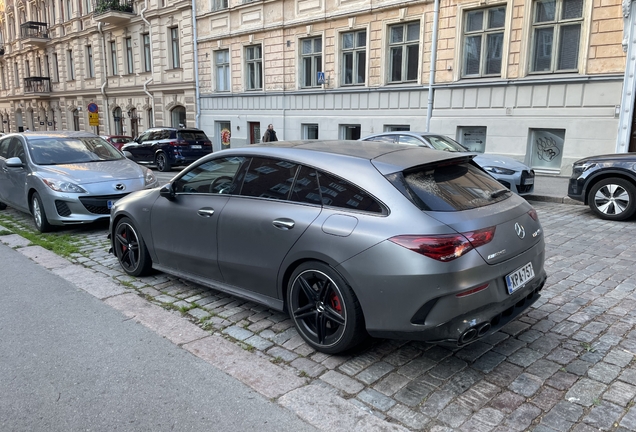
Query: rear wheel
613	199
162	162
325	310
39	215
130	249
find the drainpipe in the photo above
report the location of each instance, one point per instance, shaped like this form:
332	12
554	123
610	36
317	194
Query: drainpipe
152	66
104	72
626	108
431	80
197	106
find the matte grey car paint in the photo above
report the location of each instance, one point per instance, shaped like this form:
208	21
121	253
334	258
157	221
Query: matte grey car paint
238	246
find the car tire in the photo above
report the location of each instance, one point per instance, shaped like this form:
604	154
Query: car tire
326	312
130	249
3	206
613	199
162	162
39	214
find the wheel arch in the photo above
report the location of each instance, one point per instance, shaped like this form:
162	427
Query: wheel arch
605	174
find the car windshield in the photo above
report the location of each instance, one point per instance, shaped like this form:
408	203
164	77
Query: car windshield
440	142
59	151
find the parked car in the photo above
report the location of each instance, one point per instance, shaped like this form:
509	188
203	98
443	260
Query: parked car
167	147
606	183
118	140
509	172
65	178
347	237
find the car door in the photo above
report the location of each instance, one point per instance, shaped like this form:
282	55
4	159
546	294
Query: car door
140	148
13	179
184	229
4	151
258	228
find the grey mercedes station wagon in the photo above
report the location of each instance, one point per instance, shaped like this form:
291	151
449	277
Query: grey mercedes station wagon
350	238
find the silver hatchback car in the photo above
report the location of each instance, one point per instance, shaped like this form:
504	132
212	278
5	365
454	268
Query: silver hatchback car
351	238
64	178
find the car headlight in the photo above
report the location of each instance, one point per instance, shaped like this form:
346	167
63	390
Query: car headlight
499	170
580	168
149	178
63	186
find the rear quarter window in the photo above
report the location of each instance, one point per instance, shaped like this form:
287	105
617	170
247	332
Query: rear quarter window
336	192
454	187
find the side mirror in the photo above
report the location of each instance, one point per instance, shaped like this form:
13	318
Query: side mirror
14	162
167	191
128	154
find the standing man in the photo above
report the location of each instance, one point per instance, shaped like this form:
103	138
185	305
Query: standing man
270	134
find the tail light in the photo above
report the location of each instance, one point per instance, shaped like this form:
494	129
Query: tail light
207	143
178	143
445	247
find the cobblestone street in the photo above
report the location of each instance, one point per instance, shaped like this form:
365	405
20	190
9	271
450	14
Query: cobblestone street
567	364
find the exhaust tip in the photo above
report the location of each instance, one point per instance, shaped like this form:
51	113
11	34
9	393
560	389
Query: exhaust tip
483	329
468	335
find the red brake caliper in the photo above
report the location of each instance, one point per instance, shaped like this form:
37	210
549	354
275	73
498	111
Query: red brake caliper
124	247
335	302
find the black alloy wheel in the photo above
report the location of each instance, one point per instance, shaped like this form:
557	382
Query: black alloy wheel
613	199
162	162
326	312
130	249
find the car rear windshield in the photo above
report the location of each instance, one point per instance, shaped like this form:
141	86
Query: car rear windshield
193	136
59	151
448	188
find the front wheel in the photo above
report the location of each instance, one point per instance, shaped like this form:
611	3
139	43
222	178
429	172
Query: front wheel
130	249
39	215
613	199
325	310
162	162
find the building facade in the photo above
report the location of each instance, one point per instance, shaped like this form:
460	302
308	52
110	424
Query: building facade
538	80
112	67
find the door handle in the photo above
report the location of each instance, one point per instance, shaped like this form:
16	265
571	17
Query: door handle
284	224
205	212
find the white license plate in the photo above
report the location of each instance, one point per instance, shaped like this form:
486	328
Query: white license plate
196	146
110	203
519	277
528	181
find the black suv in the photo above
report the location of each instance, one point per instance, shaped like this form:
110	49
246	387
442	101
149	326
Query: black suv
167	147
606	183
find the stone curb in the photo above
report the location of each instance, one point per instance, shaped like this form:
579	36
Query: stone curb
553	199
316	406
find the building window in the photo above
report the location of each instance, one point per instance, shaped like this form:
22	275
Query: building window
56	68
76	120
27	69
68	9
129	56
174	44
254	67
404	48
556	35
178	116
396	128
311	61
16	75
38	66
147	56
71	65
113	56
150	118
310	131
547	148
354	57
117	120
219	4
350	132
89	62
483	42
222	65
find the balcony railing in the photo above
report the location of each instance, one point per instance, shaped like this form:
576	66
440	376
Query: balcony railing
37	85
34	29
113	11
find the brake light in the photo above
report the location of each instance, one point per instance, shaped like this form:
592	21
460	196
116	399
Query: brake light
207	143
533	214
445	247
178	143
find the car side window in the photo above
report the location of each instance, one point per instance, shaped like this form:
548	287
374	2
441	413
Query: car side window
4	147
383	138
144	137
16	149
337	192
306	189
409	140
215	176
269	178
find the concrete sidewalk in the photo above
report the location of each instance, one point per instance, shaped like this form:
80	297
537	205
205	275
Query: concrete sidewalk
551	189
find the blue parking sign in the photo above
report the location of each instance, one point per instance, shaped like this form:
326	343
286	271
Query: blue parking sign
321	77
